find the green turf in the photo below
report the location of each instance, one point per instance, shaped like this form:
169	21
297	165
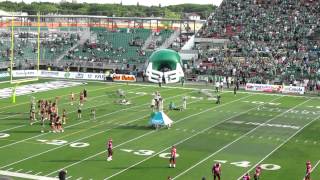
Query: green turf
204	133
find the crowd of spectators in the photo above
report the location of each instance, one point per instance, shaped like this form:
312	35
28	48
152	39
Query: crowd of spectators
26	45
267	40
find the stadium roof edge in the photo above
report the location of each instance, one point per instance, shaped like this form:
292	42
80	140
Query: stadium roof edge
99	17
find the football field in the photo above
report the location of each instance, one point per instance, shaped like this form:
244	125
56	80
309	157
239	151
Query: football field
278	132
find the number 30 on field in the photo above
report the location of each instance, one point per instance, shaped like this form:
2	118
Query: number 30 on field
63	142
144	152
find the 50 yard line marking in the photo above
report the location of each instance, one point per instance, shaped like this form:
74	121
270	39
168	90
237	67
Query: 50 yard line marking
145	134
236	140
81	138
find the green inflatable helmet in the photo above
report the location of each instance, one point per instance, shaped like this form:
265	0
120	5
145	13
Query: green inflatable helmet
165	58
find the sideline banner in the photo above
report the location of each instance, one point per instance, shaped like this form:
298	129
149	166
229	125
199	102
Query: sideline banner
275	88
123	78
59	74
263	87
293	89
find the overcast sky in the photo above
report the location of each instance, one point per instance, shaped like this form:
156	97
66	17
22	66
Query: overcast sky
133	2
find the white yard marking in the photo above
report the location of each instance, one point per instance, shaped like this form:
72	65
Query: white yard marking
28	172
62	104
314	167
236	140
204	130
19	170
69	177
278	147
25	176
265	124
77	123
85	136
38	173
150	133
37	87
79	178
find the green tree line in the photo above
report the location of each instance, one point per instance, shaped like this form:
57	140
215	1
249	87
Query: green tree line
118	10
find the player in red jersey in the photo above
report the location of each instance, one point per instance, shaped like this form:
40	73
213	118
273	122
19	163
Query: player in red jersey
246	177
308	171
42	117
216	171
173	157
109	145
257	173
81	99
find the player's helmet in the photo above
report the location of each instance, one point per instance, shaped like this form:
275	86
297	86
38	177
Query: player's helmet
308	162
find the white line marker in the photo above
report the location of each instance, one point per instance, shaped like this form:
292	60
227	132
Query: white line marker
77	123
19	170
79	139
204	130
25	176
314	167
154	131
38	173
236	140
278	147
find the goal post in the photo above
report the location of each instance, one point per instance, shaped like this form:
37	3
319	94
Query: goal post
23	79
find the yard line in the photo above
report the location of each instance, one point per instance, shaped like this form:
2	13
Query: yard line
314	167
28	172
25	176
316	118
240	92
181	141
83	137
61	104
19	170
38	173
6	117
77	123
16	127
236	140
5	107
9	169
147	134
69	177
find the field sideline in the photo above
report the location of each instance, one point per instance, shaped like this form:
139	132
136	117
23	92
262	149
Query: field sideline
245	130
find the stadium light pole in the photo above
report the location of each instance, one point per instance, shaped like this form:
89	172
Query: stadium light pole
38	58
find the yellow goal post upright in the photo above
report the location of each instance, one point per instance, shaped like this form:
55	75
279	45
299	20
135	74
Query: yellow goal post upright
16	82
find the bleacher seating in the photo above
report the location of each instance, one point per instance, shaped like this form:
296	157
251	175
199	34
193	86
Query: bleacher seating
116	46
273	37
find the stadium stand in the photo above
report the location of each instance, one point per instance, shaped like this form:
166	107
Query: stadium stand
268	40
116	46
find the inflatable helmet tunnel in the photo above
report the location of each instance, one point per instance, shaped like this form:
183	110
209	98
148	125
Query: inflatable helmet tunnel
164	66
